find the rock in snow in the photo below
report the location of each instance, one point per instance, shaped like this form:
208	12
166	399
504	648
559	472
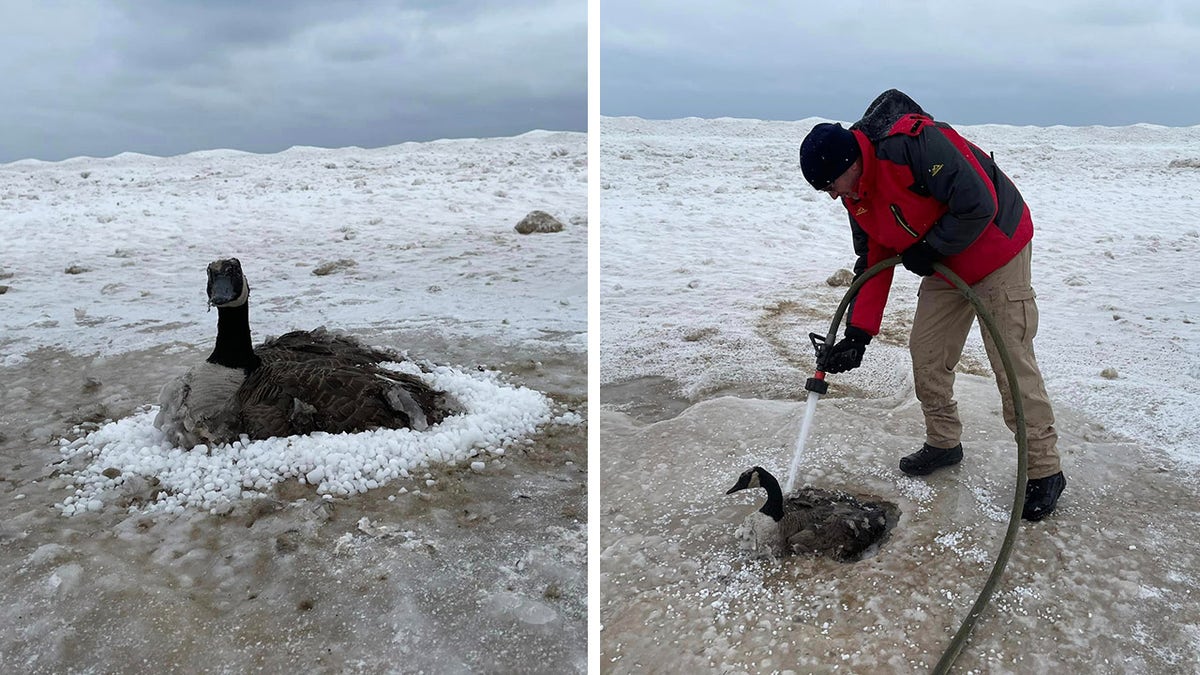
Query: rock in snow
842	277
334	266
539	221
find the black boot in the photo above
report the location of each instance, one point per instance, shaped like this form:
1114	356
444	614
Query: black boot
929	458
1041	496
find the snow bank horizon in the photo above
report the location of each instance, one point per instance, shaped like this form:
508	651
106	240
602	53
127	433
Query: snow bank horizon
813	120
216	153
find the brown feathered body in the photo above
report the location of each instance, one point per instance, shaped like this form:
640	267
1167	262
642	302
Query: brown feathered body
832	523
318	381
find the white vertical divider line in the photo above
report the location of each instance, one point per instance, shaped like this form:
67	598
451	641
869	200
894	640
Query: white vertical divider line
594	318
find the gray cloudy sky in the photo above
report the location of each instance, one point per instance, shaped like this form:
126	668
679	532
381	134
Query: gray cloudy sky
165	77
1073	62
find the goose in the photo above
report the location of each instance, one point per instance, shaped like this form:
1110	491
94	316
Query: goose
811	521
297	383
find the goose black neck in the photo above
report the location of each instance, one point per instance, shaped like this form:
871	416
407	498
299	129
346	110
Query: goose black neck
234	348
774	505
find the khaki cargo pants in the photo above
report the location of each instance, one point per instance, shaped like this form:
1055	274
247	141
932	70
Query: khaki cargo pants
940	327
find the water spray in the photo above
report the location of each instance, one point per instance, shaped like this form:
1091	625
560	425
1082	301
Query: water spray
816	387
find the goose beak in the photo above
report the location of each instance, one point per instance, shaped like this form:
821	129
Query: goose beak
225	282
221	290
742	484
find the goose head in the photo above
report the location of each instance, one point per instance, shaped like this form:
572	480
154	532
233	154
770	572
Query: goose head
758	477
750	478
760	533
227	285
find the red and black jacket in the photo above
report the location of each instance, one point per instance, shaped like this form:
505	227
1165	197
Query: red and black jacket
921	180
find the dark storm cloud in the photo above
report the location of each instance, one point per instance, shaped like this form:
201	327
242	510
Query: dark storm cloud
165	78
1021	62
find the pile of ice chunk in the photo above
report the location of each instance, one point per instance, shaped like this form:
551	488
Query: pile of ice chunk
128	451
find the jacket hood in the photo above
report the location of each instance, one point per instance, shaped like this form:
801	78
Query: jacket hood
884	111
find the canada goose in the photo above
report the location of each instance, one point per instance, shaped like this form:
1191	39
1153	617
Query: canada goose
811	520
297	383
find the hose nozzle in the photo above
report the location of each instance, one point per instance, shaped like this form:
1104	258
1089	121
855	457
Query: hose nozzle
818	343
817	382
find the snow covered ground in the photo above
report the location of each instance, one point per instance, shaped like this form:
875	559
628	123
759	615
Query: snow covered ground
460	548
715	257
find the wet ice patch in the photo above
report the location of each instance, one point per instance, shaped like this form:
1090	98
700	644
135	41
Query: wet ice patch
133	465
517	607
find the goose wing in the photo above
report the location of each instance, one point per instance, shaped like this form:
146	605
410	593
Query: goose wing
843	528
795	528
286	397
321	347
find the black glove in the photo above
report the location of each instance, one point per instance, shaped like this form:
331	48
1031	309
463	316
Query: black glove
847	354
919	258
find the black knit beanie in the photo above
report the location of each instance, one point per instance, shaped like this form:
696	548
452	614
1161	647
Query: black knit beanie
826	153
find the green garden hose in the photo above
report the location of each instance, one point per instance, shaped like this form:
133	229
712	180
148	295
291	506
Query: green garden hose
985	595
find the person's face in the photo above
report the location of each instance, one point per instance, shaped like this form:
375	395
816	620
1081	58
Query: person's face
846	185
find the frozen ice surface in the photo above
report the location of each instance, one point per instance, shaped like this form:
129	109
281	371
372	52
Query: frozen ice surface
372	552
671	563
716	256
